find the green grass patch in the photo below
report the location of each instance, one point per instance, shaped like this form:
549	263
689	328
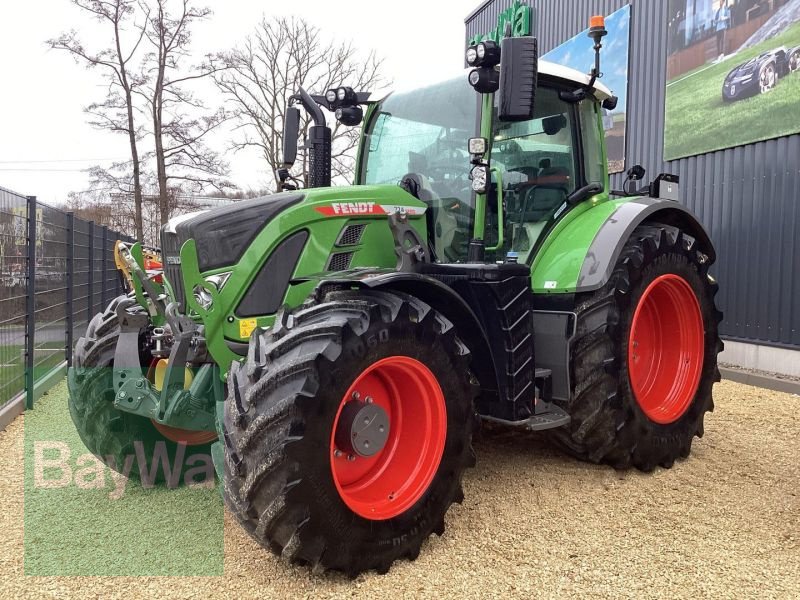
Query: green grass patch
699	121
80	520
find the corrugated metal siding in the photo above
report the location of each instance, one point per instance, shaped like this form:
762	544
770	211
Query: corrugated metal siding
747	196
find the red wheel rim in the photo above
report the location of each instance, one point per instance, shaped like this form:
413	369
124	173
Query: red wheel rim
389	482
666	349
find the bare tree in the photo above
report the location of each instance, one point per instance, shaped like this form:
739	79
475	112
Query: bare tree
182	158
116	112
281	55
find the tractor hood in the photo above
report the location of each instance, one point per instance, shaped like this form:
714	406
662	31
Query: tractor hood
223	234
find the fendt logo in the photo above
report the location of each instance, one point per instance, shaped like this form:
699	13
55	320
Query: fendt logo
351	208
366	208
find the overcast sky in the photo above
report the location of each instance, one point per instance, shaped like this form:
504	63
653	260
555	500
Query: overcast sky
45	141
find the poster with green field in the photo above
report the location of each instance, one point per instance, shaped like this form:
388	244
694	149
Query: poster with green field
733	74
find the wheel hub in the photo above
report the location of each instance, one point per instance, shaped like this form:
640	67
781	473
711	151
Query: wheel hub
363	428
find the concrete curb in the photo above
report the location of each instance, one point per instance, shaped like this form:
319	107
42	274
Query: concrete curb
16	406
11	410
787	386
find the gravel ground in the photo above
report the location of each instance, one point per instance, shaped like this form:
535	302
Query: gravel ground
725	523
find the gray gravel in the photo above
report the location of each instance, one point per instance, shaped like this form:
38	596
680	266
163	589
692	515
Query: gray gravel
725	523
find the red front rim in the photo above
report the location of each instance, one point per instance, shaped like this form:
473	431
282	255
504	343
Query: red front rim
665	349
389	482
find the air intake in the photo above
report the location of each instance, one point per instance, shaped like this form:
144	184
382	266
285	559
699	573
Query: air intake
340	261
351	235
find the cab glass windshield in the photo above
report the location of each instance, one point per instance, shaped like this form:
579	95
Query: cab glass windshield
426	133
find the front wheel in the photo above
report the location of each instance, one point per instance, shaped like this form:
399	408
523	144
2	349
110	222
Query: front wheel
644	358
347	431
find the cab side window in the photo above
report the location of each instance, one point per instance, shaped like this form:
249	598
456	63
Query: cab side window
538	161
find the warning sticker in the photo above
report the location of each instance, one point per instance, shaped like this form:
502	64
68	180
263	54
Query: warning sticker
246	327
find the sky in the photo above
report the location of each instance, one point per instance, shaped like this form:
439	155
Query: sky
46	142
578	53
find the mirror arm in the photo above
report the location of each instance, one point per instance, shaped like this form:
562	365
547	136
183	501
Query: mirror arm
312	107
583	193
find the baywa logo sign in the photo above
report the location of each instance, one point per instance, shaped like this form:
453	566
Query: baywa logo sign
518	14
134	506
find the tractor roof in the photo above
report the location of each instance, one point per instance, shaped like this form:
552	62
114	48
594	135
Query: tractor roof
562	72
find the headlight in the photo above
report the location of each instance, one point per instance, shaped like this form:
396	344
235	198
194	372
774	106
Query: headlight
202	297
341	94
479	176
472	55
330	96
474	77
477	146
481	50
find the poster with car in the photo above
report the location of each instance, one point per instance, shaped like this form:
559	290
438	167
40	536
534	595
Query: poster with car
733	74
578	54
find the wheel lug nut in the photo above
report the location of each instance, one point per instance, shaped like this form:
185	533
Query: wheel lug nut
356	396
337	453
368	400
351	457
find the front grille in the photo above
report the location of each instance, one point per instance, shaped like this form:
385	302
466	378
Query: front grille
351	235
340	261
171	252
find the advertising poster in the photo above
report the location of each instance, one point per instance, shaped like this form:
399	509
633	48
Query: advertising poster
578	54
733	74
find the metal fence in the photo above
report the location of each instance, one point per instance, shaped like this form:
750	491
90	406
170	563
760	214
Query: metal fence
56	272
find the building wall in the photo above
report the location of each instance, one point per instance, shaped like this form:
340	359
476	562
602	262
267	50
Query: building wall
747	196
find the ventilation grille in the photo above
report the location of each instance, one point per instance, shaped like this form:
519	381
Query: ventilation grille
340	261
170	249
351	235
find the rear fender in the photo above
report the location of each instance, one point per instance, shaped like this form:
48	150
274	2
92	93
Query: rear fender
580	256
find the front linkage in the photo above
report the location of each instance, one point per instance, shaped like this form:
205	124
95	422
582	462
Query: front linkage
184	400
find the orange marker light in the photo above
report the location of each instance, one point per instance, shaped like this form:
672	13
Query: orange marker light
597	21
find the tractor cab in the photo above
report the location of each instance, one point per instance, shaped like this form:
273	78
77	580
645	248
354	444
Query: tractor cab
420	140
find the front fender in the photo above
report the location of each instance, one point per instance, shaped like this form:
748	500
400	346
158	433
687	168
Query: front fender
580	254
438	296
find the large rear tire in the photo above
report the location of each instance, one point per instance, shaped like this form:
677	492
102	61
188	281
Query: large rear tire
300	489
127	443
644	358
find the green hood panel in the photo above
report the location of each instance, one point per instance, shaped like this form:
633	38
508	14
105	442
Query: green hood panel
323	213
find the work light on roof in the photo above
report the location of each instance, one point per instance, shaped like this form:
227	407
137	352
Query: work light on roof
488	53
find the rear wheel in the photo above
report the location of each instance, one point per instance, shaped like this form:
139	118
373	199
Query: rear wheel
128	443
768	77
347	431
794	61
644	359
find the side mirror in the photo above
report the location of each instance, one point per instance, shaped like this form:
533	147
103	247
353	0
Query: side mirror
636	173
519	72
291	129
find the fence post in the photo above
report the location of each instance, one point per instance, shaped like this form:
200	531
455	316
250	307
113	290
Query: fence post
103	296
70	282
90	285
30	322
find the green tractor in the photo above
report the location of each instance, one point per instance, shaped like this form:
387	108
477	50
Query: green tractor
334	349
